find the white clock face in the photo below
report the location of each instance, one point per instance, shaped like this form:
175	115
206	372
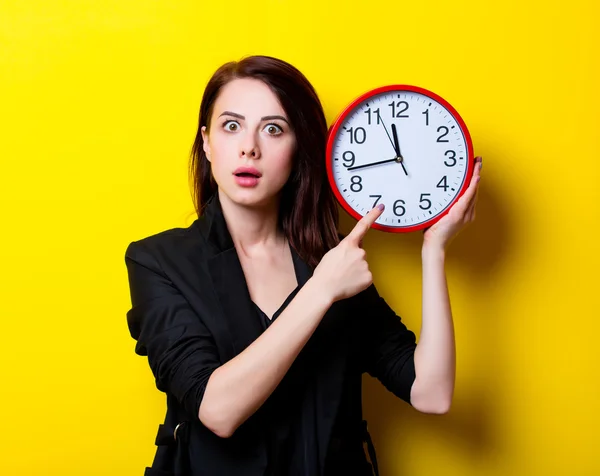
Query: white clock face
418	176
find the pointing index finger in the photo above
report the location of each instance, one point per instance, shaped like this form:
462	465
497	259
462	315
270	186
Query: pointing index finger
365	223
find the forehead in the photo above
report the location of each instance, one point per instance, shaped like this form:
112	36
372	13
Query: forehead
249	97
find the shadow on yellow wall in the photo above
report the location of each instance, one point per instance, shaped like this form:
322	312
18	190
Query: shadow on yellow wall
99	109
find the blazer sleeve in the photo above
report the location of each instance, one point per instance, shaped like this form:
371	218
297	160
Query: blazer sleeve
181	351
387	345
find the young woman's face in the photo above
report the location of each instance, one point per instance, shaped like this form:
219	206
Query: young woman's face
249	129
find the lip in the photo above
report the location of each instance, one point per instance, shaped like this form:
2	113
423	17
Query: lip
247	170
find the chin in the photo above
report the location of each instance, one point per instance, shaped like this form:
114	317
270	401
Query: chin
252	198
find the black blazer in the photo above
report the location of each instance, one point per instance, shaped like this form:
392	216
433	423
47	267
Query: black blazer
191	312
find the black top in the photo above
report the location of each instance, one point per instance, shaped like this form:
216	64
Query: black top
292	421
292	417
191	312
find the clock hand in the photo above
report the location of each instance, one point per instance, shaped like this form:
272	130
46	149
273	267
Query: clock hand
396	143
395	159
388	134
397	146
403	168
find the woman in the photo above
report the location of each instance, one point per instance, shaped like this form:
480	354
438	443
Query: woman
258	320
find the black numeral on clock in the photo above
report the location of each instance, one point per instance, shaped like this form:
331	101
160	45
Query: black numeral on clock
443	183
440	138
452	157
356	185
358	135
376	113
426	112
422	199
399	209
402	107
378	198
348	158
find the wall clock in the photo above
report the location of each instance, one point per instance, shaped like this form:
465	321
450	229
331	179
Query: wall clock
403	146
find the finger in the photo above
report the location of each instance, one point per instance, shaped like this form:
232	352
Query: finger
471	191
470	214
478	164
363	225
475	177
462	207
470	211
473	194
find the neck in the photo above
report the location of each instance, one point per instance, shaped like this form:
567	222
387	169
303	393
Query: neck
254	228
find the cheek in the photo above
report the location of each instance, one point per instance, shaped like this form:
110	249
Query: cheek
221	150
285	154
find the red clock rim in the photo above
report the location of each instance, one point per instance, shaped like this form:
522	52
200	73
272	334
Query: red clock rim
374	92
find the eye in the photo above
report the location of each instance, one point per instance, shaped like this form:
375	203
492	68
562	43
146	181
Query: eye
231	125
273	129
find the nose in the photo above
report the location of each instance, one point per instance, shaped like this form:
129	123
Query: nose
249	147
249	153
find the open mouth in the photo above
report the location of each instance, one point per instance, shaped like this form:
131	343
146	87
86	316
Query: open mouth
246	174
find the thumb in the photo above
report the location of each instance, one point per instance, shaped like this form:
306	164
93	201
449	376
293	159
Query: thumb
364	224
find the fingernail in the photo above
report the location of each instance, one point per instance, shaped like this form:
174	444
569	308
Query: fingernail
381	206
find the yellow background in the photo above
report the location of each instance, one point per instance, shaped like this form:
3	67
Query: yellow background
99	104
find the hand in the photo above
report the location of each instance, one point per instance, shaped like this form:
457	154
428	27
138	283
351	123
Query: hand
344	271
461	213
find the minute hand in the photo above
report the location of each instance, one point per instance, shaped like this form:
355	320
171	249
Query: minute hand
373	163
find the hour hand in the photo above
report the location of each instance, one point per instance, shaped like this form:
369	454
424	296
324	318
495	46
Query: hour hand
396	143
397	147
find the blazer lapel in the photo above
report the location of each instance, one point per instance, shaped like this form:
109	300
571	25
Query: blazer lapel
230	286
230	283
238	325
228	280
303	270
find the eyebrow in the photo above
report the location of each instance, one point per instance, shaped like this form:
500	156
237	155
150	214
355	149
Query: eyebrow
264	118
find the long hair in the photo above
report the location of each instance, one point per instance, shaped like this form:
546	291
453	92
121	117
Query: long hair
308	213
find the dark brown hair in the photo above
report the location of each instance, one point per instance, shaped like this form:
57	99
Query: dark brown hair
308	211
